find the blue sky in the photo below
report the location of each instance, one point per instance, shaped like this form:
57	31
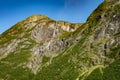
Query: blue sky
74	11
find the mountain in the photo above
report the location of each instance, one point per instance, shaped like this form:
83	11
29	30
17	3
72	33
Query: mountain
39	48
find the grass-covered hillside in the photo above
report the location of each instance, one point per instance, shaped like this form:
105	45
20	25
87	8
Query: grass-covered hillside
39	48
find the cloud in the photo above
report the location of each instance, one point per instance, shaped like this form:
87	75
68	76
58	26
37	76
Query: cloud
73	3
77	10
70	10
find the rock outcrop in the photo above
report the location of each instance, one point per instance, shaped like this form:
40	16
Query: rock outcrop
40	48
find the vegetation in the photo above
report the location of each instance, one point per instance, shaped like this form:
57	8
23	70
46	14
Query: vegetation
94	56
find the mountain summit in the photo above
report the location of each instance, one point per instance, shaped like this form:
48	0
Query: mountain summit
39	48
37	36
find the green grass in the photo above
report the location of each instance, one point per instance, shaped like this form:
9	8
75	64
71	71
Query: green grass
65	35
96	15
78	62
112	71
94	73
45	59
13	66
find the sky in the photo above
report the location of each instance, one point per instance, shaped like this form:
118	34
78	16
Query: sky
74	11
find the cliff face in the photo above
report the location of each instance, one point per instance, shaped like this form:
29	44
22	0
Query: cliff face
40	48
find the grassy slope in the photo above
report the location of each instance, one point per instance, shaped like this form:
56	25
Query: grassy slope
12	66
74	64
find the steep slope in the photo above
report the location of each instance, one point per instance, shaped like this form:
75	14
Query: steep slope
39	48
23	46
96	55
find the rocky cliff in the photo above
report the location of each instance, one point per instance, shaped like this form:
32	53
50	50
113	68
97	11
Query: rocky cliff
39	48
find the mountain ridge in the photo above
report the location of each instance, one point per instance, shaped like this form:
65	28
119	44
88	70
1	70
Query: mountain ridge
39	30
57	50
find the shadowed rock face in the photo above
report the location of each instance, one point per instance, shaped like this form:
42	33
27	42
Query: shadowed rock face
40	48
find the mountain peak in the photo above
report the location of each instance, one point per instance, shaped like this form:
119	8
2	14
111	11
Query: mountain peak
36	17
44	49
